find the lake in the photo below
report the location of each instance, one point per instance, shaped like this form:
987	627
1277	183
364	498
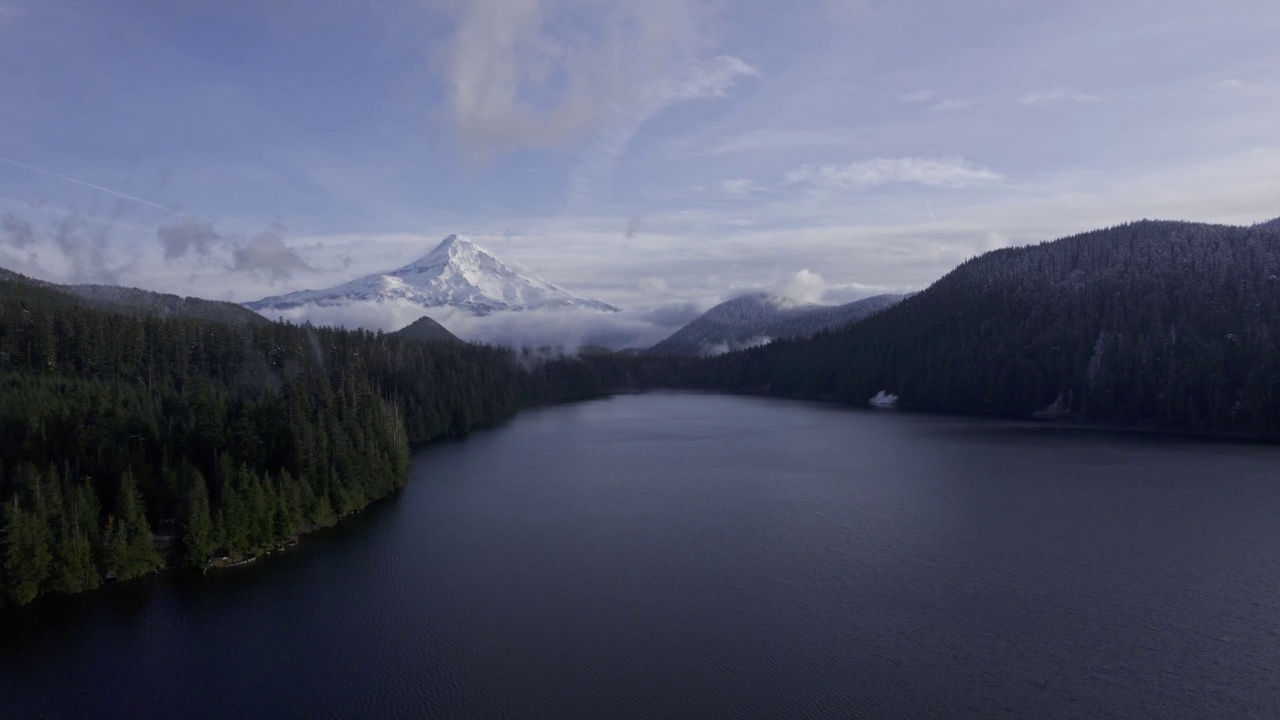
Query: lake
693	555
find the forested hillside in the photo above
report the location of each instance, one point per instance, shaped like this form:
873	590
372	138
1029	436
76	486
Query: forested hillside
1168	324
220	439
133	300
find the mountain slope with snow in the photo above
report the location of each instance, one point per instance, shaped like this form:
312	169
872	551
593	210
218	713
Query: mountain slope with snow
457	274
759	318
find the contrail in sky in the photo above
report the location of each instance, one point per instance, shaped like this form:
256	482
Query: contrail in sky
930	207
107	190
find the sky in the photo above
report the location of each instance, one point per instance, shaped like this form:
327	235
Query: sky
658	155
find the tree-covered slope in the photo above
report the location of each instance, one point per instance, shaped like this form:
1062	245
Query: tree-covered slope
1163	323
134	300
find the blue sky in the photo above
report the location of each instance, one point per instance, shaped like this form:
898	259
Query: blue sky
663	154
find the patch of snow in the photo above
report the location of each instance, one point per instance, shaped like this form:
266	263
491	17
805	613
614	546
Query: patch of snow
884	399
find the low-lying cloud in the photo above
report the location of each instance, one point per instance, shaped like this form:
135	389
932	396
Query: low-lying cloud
569	329
189	235
267	255
16	232
79	244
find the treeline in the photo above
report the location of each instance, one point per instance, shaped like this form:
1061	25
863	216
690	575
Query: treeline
1166	324
217	439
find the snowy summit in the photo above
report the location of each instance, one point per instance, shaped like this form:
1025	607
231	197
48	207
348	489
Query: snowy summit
458	274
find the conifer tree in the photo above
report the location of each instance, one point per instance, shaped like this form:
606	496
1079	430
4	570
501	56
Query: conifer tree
28	557
131	551
197	527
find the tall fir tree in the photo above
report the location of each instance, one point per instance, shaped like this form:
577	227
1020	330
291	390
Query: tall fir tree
197	526
131	551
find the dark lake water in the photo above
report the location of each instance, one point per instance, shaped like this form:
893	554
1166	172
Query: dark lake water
683	555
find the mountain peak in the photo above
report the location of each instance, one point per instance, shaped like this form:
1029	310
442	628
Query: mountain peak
455	246
457	273
453	242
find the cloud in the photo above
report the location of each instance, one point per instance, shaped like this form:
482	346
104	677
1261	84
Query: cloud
1244	88
803	285
267	255
740	187
757	140
189	235
531	73
559	328
16	232
712	350
952	104
69	245
652	286
711	79
85	243
867	174
1051	97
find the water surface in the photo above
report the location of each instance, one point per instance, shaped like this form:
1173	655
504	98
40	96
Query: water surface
685	555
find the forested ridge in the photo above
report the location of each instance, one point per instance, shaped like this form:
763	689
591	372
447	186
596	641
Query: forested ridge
219	439
1161	324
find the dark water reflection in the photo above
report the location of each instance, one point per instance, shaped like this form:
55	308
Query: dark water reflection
707	556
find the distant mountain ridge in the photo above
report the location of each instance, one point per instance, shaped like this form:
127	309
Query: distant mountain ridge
760	317
457	274
125	299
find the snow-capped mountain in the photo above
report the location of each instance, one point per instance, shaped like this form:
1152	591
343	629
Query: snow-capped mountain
457	274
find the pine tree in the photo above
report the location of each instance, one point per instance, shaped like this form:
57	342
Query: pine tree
197	527
131	551
27	554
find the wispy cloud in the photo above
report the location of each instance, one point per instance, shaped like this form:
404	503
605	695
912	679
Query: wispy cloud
740	187
868	174
533	73
917	97
953	104
758	140
935	101
712	79
1040	98
1246	88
